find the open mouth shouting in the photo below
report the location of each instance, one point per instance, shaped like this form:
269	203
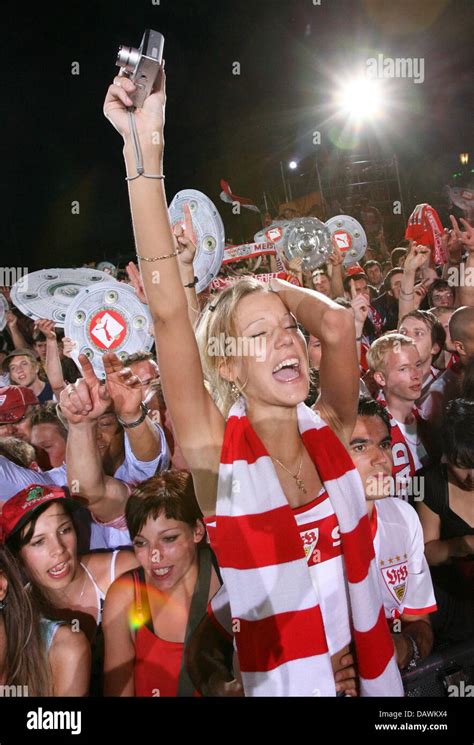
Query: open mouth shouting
288	370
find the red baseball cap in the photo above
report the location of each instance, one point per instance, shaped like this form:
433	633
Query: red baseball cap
14	400
19	509
355	269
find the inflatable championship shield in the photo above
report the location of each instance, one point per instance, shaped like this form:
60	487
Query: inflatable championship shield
108	318
47	293
349	236
209	230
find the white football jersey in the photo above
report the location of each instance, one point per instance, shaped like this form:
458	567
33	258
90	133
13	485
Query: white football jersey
403	571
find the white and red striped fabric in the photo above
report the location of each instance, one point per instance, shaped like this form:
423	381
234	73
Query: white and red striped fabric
277	619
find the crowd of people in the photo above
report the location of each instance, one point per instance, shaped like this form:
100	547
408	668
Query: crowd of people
291	517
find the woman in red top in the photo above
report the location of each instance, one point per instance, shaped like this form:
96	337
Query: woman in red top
150	613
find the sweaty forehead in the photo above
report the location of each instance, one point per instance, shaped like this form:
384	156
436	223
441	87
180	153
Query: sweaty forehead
257	305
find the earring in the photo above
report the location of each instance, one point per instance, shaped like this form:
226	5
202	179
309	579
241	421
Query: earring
234	391
2	604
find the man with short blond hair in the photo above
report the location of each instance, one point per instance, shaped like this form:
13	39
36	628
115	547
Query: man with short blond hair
397	369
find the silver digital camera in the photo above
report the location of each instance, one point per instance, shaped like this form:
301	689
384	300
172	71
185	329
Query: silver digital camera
142	65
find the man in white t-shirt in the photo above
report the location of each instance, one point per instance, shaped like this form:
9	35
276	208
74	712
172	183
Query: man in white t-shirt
397	368
403	572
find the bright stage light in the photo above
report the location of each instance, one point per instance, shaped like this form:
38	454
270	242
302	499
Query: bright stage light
360	99
293	165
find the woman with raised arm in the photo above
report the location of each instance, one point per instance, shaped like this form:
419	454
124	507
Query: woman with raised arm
276	477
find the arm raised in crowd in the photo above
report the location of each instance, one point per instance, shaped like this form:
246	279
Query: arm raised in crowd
334	327
185	240
19	341
335	261
54	370
360	307
409	299
82	404
465	289
198	424
124	390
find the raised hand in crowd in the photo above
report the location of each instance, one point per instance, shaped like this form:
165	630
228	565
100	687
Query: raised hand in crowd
19	341
417	257
186	243
360	307
53	365
68	346
136	281
123	387
87	398
465	285
295	267
466	236
335	262
452	246
83	404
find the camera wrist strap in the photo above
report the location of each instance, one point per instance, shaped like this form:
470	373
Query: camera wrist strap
137	150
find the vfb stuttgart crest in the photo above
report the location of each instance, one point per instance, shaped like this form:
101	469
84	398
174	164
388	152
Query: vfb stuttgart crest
310	541
395	578
108	329
343	240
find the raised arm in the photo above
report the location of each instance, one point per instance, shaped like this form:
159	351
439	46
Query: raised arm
125	391
54	370
335	260
18	339
334	326
185	240
82	404
198	424
465	290
417	257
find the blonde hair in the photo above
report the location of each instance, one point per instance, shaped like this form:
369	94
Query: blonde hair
218	322
378	350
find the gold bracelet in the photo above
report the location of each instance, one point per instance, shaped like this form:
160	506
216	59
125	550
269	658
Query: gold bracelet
159	258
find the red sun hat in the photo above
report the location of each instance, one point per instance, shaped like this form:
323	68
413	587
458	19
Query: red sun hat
14	400
19	509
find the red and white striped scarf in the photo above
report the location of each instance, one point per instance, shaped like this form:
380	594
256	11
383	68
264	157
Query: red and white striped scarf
279	629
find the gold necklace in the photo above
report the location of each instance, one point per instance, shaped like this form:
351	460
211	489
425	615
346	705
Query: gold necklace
295	476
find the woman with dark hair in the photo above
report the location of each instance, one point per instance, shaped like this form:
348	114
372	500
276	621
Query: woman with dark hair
447	518
151	613
38	657
40	533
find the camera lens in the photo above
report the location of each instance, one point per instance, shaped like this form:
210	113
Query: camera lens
127	57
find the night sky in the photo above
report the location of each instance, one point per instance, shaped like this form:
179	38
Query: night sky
60	148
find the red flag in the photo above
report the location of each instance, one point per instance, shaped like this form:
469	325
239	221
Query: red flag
227	196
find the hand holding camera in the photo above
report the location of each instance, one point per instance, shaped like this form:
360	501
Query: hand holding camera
140	88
